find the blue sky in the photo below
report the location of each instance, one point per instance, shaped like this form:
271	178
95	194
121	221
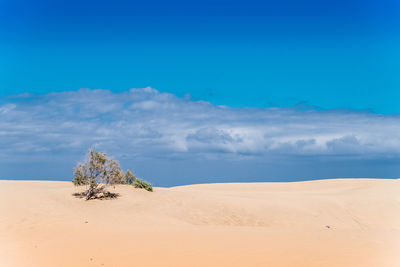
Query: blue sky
244	90
332	54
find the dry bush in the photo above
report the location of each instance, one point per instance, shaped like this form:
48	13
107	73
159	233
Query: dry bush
97	172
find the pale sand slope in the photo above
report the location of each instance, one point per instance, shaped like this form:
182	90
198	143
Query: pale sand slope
318	223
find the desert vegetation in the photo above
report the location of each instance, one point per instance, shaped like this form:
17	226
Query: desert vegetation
139	183
98	171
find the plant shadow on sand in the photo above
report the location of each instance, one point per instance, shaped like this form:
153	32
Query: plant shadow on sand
104	196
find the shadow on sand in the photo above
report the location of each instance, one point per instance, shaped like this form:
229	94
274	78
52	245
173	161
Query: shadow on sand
103	196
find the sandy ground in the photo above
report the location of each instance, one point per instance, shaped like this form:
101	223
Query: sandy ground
318	223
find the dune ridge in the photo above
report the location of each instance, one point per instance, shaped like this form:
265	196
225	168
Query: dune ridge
338	222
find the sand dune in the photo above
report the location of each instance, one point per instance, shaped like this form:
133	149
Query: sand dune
318	223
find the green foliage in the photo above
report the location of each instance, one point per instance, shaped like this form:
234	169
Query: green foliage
129	177
139	183
79	175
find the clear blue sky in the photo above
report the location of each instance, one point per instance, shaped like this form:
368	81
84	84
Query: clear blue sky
332	54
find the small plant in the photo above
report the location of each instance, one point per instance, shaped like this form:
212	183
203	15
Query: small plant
139	183
97	172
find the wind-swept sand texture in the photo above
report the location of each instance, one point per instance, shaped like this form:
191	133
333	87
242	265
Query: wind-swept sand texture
318	223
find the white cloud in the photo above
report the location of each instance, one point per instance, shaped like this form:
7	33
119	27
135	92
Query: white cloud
6	108
147	123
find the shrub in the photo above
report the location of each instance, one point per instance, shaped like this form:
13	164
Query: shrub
97	172
139	183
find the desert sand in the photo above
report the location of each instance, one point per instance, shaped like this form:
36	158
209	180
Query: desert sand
339	222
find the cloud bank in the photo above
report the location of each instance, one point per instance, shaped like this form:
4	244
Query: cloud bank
147	124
